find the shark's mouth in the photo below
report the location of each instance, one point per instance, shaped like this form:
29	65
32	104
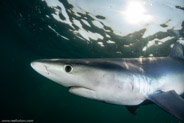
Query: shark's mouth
83	91
78	87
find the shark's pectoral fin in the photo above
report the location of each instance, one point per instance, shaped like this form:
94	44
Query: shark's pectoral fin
170	102
132	109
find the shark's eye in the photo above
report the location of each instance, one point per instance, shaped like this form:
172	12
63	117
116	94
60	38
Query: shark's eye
68	68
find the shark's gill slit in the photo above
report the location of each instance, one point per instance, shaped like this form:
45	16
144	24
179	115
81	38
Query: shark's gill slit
68	68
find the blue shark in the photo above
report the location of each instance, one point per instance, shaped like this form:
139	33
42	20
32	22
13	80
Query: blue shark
123	81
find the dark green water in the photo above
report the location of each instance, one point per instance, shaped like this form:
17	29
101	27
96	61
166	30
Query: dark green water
24	94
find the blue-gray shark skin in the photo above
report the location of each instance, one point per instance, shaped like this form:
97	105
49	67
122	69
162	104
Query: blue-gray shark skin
123	81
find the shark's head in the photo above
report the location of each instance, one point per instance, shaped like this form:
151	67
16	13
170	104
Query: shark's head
69	73
76	73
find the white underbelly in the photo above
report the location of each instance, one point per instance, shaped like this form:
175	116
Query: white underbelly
120	95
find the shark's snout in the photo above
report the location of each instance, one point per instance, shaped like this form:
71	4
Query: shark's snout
39	67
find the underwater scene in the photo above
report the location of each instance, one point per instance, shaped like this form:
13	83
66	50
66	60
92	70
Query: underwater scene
79	29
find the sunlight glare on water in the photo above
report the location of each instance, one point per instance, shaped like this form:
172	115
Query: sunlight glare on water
136	13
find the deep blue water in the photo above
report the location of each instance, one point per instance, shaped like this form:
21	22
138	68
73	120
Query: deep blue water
24	94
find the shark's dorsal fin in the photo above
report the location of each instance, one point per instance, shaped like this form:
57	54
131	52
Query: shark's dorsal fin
169	101
177	51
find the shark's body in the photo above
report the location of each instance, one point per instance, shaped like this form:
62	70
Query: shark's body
123	81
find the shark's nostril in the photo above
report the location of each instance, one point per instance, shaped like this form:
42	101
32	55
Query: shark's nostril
46	69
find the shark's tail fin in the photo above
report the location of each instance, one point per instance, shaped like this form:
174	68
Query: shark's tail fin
177	50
